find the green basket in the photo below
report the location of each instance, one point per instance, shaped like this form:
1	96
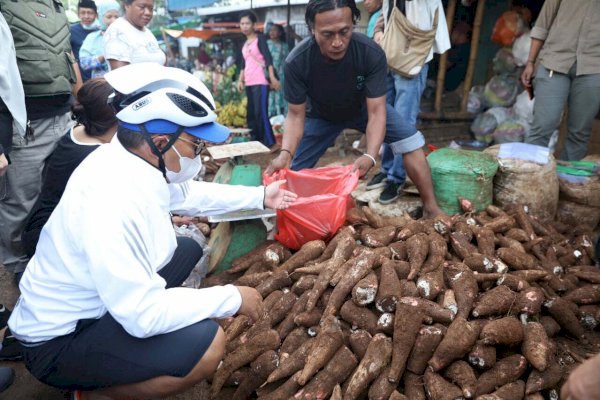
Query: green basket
462	173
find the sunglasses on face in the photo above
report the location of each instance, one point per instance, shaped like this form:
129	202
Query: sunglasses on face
198	145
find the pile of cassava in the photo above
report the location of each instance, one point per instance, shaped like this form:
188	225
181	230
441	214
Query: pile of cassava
493	305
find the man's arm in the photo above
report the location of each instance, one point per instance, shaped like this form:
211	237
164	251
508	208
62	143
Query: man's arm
529	71
79	82
114	64
376	110
293	129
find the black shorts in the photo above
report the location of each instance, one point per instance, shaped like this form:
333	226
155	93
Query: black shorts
100	353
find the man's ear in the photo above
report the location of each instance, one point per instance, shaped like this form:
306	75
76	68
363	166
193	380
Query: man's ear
160	141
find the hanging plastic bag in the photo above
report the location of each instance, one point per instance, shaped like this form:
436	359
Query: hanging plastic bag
201	268
320	210
521	48
508	27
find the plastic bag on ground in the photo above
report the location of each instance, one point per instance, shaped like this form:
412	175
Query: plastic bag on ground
201	268
523	108
510	131
501	91
521	48
504	62
485	124
320	210
476	102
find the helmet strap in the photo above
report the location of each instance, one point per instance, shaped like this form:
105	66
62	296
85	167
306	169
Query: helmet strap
156	151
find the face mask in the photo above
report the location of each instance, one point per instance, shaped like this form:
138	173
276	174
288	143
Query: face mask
189	168
91	27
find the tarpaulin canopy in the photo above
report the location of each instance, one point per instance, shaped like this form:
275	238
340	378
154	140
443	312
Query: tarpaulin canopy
174	5
201	34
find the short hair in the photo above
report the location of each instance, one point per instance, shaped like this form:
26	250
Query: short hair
87	4
250	15
315	7
130	139
91	108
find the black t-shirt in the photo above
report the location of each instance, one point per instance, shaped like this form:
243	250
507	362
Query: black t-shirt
335	91
59	166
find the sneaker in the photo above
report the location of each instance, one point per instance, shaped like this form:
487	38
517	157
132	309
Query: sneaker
11	349
4	315
390	193
7	376
377	181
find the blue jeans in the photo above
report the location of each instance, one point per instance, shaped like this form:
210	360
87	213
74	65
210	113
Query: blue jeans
404	94
319	134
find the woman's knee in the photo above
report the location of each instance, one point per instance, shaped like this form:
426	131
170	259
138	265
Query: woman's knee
210	360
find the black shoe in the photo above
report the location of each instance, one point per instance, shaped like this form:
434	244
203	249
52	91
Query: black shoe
377	181
7	376
390	193
11	349
4	315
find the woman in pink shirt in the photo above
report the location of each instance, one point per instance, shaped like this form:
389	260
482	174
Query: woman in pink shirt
256	63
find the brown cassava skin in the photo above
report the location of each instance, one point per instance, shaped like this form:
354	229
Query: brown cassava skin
437	388
516	259
259	371
333	243
449	301
389	289
487	278
361	267
589	294
510	391
293	341
534	396
410	229
252	280
285	391
293	363
460	373
461	245
486	242
304	283
355	216
379	237
263	324
431	284
506	331
494	211
385	323
244	262
513	282
398	250
496	301
427	341
563	314
381	388
430	308
464	229
457	342
308	318
335	372
278	280
407	323
309	251
267	340
501	224
547	379
396	395
402	268
464	284
375	360
337	393
482	356
413	386
507	370
524	222
593	277
530	301
327	342
378	221
360	317
359	341
237	327
531	275
517	234
408	288
509	243
225	323
280	310
287	325
364	291
417	248
272	299
438	248
479	263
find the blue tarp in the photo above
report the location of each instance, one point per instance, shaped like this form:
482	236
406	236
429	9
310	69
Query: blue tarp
175	5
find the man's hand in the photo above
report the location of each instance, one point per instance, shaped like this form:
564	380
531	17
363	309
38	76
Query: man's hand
527	75
363	164
252	305
282	161
278	198
3	164
584	382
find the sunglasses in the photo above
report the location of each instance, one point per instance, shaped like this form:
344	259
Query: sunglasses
198	145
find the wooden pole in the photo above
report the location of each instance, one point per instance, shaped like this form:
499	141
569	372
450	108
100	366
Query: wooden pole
441	77
473	55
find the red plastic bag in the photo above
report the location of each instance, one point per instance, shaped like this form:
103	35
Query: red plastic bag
320	210
508	27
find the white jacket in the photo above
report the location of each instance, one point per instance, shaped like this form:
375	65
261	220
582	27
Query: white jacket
104	243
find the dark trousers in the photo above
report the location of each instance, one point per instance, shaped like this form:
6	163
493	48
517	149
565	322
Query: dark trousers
258	114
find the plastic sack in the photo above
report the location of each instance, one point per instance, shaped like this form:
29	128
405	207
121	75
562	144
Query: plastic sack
504	62
510	131
521	48
507	28
501	91
523	108
320	210
201	268
485	124
476	102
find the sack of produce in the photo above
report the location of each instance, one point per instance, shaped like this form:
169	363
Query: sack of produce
476	102
521	48
320	210
504	62
526	175
462	173
509	131
579	186
486	123
501	91
574	214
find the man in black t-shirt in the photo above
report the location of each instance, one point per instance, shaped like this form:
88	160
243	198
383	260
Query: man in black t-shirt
336	79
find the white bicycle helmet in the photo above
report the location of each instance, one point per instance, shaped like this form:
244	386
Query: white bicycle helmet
164	100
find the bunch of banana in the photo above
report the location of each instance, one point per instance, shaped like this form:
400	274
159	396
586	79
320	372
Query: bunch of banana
233	114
